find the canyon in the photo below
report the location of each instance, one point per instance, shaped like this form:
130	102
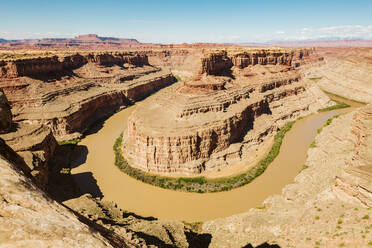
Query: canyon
66	94
216	109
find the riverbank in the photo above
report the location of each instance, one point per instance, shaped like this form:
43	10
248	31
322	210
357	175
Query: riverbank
94	171
201	184
328	205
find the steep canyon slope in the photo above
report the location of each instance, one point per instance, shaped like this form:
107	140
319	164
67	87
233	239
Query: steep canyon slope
59	96
329	205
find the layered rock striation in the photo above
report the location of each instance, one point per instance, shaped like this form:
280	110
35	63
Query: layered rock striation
221	115
68	93
46	66
345	72
35	143
329	203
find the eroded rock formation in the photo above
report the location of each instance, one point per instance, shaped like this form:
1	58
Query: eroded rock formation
35	144
221	114
68	93
28	217
328	198
345	72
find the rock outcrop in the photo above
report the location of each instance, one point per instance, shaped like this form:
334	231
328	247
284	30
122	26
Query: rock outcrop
47	66
212	120
5	114
150	231
345	72
36	145
29	218
68	93
216	63
328	203
356	179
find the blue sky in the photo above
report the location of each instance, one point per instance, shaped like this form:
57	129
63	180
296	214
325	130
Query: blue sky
177	21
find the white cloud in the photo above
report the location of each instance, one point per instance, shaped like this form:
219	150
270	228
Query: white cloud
280	32
341	32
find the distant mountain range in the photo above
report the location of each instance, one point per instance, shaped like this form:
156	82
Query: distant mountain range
335	42
93	41
79	41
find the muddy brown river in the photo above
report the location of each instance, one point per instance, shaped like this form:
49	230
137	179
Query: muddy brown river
96	173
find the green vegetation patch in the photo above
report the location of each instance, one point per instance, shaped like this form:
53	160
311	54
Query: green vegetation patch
69	142
348	99
201	184
327	123
304	167
313	144
315	79
178	78
339	105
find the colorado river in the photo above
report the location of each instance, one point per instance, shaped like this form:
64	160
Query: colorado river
147	200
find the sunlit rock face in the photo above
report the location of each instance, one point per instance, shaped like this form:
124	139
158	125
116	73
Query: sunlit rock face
236	100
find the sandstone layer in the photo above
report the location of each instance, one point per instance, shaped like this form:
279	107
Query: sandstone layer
68	93
60	96
329	204
346	72
236	101
36	145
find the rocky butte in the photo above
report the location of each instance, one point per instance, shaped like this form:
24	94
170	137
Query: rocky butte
220	116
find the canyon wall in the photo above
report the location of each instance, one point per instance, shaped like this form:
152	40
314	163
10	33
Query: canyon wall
216	63
345	72
329	202
44	66
61	97
69	93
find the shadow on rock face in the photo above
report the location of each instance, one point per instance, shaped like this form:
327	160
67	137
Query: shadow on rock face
128	214
90	184
264	245
198	240
52	77
95	127
79	157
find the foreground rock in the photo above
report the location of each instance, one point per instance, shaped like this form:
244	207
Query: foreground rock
156	232
328	206
29	218
238	100
35	144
